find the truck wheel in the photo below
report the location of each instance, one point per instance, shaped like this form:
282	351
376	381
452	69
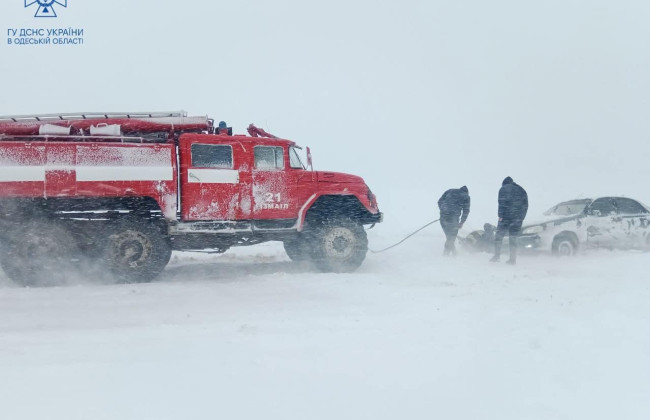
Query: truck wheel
565	245
38	254
298	249
339	247
137	251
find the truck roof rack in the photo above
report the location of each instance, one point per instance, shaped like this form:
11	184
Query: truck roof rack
90	116
82	139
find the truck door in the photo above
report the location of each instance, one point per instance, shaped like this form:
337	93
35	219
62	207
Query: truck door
215	184
274	185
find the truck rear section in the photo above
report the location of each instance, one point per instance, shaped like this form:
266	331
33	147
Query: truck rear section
122	191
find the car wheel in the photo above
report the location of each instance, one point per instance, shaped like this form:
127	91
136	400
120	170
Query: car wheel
565	245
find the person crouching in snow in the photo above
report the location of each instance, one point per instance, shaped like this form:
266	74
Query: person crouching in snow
454	209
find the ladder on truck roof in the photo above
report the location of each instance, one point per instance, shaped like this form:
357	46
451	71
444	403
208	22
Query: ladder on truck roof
90	116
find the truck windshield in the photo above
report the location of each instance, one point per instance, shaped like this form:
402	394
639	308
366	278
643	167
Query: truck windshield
294	159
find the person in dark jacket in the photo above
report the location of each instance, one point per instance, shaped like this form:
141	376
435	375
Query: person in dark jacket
513	206
454	209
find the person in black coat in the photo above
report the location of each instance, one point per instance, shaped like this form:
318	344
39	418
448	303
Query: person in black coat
454	209
513	206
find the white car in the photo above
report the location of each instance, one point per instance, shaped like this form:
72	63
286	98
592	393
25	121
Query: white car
609	222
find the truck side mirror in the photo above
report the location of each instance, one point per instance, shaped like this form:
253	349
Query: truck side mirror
309	163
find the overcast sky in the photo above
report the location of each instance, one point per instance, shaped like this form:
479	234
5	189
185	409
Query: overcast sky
422	95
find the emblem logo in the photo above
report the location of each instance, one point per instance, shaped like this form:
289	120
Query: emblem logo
46	7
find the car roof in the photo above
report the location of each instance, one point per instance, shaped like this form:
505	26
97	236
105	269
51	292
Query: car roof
585	201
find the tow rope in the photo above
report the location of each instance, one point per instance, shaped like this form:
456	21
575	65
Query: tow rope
392	246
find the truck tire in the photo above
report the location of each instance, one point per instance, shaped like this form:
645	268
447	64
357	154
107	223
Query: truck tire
339	246
136	251
298	249
565	245
40	253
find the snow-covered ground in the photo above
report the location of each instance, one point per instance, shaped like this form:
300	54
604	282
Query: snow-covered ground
250	335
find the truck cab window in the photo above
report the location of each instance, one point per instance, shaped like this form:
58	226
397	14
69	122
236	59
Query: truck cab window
294	159
269	157
211	156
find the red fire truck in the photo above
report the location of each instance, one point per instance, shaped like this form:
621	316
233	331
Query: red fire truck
125	189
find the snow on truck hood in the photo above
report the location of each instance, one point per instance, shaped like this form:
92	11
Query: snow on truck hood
327	176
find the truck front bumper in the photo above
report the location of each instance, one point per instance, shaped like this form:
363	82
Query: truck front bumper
373	218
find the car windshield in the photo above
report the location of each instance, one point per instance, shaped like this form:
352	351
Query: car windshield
294	158
568	208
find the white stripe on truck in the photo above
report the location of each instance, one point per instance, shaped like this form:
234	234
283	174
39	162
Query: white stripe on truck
88	173
22	173
124	173
213	176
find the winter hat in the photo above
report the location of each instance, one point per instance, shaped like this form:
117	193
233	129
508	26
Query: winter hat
508	180
464	188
